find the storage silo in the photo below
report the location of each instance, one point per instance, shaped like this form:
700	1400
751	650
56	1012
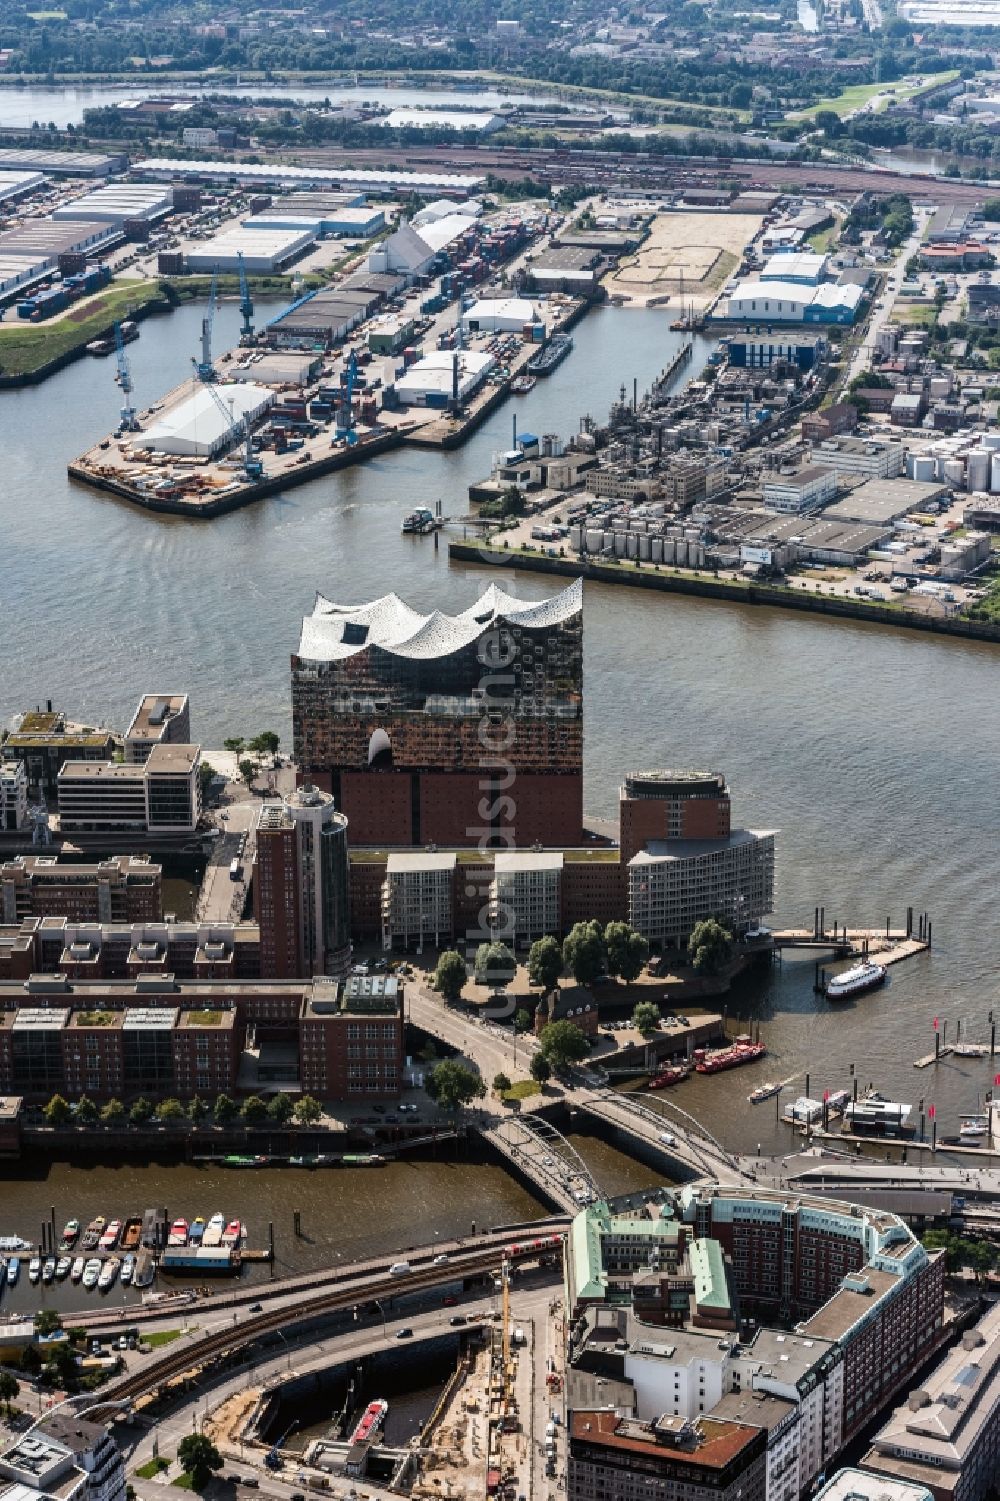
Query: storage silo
922	467
953	473
977	469
995	472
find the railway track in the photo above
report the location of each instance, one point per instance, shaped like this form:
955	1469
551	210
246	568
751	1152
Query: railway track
197	1356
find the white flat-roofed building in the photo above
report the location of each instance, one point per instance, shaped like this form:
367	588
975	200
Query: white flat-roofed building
13	796
675	884
16	184
946	1435
482	121
808	487
161	718
857	1485
162	796
261	249
196	427
417	899
347	220
93	1450
874	460
526	895
499	315
117	202
252	173
173	788
803	268
431	381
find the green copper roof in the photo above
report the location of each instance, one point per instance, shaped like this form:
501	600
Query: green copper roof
711	1289
590	1280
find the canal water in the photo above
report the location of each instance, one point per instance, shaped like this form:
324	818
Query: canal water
873	752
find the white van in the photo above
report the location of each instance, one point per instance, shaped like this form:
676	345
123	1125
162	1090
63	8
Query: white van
668	1138
400	1269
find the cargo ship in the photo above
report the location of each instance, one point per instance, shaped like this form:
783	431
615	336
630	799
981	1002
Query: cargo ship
863	977
553	354
742	1051
106	344
371	1421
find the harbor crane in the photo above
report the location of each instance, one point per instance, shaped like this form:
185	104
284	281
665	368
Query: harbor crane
246	304
128	422
206	370
253	467
345	413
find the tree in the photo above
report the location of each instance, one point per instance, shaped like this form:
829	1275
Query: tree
450	975
501	1083
830	123
495	965
248	770
522	1020
583	952
451	1084
86	1111
47	1321
31	1361
308	1110
199	1456
9	1388
142	1110
206	775
170	1110
627	950
561	1044
57	1111
709	946
280	1109
253	1111
197	1110
225	1110
234	745
539	1068
265	744
646	1017
113	1113
991	209
545	962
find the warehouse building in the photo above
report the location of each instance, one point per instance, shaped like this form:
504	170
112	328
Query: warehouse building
572	269
430	382
491	315
325	319
261	250
424	184
405	252
880	502
484	122
117	202
803	268
63	163
43	240
16	184
358	223
198	428
791	302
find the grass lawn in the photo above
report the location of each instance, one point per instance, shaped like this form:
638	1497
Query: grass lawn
921	314
857	94
185	1481
153	1467
162	1337
25	347
821	239
523	1089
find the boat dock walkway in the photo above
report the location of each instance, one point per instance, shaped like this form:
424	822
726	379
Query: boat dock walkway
888	946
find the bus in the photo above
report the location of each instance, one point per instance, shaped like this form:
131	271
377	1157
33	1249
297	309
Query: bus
235	870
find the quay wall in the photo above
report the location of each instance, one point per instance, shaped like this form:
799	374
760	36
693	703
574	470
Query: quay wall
707	587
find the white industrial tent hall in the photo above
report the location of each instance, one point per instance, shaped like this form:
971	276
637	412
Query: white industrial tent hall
198	428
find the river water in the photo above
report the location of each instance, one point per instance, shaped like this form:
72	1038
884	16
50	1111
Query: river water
874	752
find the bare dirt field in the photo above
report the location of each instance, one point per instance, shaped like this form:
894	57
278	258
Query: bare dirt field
686	258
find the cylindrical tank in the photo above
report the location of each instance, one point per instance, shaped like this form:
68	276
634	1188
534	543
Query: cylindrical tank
977	469
953	472
645	551
995	472
681	554
576	537
621	539
921	466
632	545
594	541
657	549
669	550
555	445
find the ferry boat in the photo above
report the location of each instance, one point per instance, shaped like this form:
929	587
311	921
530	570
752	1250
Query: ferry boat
522	384
973	1128
362	1159
76	1271
668	1076
742	1051
109	1239
91	1273
128	1268
213	1231
93	1233
34	1270
837	1101
132	1234
877	1116
763	1092
178	1233
420	520
70	1235
197	1232
236	1159
371	1421
109	1272
63	1268
145	1270
13	1271
863	977
48	1269
232	1233
553	354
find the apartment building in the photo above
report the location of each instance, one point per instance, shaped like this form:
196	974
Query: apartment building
43	743
675	884
301	886
13	796
123	888
417	905
160	796
351	1038
676	1459
160	719
526	895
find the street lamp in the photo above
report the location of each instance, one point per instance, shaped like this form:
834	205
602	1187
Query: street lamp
378	1305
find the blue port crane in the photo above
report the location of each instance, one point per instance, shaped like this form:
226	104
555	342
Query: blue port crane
206	370
345	413
128	420
246	304
253	467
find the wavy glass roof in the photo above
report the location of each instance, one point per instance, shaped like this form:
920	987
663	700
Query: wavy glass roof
334	632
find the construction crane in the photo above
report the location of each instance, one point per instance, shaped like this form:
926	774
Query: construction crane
246	304
345	414
505	1316
206	370
253	467
128	421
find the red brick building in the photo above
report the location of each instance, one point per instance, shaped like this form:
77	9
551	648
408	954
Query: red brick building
351	1038
123	888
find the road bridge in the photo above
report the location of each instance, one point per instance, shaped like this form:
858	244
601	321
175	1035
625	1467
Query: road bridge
691	1143
532	1144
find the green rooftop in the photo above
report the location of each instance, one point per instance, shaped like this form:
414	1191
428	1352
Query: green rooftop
711	1288
586	1243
